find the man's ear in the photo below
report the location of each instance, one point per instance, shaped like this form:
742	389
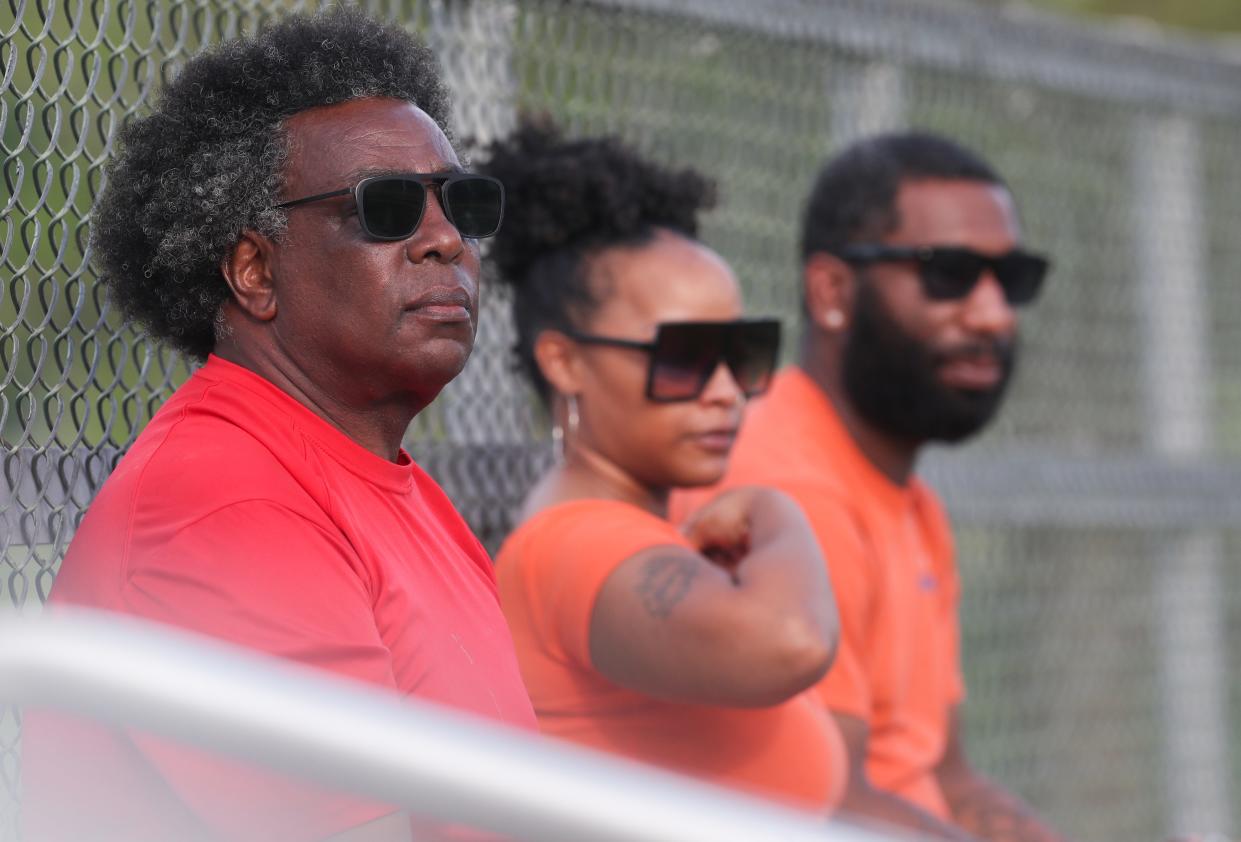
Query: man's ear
247	269
829	285
559	360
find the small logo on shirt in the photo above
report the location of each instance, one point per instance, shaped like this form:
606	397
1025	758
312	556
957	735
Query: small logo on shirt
927	582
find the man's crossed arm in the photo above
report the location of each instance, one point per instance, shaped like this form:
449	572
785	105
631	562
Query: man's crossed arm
980	809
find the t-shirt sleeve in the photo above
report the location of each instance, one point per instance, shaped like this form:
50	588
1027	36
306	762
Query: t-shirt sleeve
579	548
261	576
846	688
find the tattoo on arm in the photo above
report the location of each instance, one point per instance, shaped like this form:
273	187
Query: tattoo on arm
665	582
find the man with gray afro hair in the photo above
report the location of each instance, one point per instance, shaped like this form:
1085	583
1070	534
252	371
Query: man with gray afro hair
294	216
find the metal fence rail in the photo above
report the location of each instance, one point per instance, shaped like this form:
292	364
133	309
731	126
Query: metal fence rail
434	762
1097	520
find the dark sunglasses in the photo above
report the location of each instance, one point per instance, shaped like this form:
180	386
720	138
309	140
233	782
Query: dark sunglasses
684	355
948	273
390	207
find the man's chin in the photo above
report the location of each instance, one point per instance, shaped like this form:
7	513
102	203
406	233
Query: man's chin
963	426
978	397
431	372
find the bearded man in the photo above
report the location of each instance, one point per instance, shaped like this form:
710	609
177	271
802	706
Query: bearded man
913	271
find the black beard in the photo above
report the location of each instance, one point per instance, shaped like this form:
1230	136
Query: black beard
891	379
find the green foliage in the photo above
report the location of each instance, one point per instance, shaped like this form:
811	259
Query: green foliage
1204	15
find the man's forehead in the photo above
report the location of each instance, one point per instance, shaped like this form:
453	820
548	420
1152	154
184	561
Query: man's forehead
954	211
364	137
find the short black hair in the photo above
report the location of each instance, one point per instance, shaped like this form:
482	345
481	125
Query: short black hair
208	163
854	196
567	201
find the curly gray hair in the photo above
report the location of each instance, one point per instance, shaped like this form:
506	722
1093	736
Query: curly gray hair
208	163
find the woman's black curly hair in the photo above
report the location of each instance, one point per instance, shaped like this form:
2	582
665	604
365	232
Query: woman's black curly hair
208	163
566	201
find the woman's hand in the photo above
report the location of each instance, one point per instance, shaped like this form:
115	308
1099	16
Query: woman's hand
720	530
745	619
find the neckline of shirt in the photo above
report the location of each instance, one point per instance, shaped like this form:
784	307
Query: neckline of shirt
396	476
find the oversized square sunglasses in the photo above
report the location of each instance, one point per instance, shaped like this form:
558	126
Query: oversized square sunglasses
684	355
949	273
390	207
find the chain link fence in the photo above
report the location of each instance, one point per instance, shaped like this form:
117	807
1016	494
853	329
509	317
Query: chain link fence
1097	520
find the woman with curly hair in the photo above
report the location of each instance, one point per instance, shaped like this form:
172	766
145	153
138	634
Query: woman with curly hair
686	649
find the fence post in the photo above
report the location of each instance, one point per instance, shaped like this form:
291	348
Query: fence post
866	99
474	41
1168	224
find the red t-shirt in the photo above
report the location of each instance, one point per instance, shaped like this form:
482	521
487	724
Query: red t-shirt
551	570
890	554
240	514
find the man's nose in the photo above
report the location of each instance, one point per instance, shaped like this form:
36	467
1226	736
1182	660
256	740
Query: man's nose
436	238
986	308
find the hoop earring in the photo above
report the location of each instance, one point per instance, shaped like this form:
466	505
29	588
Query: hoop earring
560	435
571	400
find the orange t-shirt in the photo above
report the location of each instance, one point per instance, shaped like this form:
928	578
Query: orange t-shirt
550	570
890	554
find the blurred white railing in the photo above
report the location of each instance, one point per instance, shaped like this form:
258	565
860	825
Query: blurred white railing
432	761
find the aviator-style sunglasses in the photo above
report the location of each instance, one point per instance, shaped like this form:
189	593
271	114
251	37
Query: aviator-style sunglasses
948	273
390	207
684	355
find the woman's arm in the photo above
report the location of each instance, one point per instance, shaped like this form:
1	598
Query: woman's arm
749	621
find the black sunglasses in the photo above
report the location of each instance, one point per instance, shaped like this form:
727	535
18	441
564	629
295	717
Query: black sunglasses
684	355
390	207
949	273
